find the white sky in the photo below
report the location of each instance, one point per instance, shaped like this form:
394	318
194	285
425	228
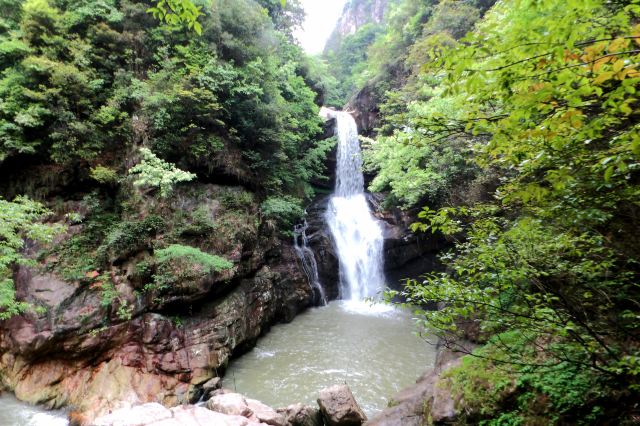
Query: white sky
322	16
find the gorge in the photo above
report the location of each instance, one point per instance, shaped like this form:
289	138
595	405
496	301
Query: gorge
178	221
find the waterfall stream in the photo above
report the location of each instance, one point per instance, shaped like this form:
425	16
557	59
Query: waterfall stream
308	260
356	233
372	348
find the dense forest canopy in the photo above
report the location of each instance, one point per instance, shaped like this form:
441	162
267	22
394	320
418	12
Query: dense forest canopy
516	124
509	127
89	89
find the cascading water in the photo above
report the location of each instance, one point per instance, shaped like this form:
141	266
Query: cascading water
372	348
309	265
356	233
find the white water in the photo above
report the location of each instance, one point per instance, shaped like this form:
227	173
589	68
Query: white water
356	233
17	413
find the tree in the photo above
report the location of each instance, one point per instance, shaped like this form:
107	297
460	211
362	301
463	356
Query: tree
20	219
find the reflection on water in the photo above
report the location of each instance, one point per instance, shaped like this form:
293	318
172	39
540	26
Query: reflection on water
371	348
16	413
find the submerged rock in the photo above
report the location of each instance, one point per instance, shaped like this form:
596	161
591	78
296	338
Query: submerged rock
301	415
339	407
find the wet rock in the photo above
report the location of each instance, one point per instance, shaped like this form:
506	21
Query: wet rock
210	386
339	407
301	415
321	242
430	399
59	359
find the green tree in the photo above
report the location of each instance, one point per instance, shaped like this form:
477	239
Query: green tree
20	219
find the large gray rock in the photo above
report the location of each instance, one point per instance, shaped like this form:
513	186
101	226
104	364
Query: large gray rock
339	407
153	414
237	405
266	414
301	415
210	386
230	403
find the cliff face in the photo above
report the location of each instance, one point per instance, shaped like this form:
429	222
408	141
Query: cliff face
355	14
146	345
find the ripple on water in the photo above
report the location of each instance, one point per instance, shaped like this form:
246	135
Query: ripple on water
17	413
373	348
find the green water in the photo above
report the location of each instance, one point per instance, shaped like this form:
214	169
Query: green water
372	349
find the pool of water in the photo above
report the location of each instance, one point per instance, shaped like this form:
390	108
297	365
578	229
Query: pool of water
17	413
374	349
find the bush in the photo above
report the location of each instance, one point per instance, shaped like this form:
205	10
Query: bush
128	237
155	172
177	264
104	175
284	211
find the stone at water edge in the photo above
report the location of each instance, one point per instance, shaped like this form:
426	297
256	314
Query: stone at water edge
339	407
301	415
154	414
210	386
266	414
230	403
238	405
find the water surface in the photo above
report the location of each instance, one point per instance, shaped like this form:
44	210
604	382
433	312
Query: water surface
372	349
17	413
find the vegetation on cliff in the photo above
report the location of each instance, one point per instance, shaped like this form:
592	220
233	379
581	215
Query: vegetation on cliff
115	114
521	137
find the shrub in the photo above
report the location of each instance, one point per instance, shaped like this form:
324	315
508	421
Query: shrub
177	264
104	175
155	172
283	210
128	237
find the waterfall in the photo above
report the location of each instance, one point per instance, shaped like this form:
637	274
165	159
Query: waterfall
356	233
308	260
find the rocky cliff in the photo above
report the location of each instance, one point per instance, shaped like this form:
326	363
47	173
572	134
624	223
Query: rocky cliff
98	353
355	14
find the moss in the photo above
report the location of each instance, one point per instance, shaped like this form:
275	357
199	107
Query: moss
126	238
180	265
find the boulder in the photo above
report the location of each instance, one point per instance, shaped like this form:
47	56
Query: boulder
339	407
301	415
210	386
230	403
266	414
154	414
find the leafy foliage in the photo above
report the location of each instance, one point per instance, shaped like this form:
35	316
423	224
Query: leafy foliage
285	211
542	95
20	219
180	264
176	13
152	171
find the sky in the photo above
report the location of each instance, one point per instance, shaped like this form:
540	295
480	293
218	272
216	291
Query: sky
322	16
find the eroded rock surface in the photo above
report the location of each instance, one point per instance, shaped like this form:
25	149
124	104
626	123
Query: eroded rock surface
80	353
153	414
339	407
301	415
